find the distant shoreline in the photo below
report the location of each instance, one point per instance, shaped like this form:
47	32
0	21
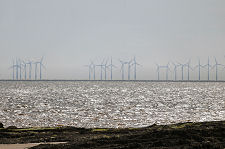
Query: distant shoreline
56	80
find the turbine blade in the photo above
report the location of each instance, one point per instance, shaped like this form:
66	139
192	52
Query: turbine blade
215	60
42	59
114	66
103	62
43	66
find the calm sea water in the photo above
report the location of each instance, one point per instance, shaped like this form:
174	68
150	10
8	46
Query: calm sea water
109	104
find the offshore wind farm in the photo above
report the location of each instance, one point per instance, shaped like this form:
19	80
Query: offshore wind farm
172	71
22	68
162	71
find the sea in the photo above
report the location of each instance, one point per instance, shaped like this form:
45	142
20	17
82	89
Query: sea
109	104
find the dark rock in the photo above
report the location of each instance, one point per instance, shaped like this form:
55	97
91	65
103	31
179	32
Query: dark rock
1	125
12	127
152	125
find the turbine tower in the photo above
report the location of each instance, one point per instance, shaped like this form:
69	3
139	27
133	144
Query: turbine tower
13	68
36	63
40	66
129	67
175	70
30	68
157	70
25	70
208	66
89	70
105	69
199	66
188	66
20	68
93	66
101	66
122	68
16	66
135	68
167	71
216	65
182	69
17	70
111	68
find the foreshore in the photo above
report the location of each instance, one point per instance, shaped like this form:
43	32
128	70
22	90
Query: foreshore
183	135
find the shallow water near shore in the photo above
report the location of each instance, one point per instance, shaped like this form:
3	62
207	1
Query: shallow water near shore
109	104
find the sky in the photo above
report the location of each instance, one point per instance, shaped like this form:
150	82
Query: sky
70	33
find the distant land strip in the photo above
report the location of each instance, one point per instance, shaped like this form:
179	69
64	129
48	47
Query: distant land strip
58	80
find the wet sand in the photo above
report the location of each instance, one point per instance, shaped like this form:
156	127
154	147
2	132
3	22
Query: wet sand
184	135
25	146
17	146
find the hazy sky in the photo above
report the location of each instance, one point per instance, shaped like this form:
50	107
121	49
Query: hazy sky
68	33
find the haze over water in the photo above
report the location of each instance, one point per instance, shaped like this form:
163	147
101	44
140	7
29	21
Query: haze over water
109	104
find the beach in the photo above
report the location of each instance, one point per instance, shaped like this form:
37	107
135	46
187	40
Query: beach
183	135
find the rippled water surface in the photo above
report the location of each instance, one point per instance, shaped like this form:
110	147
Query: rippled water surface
109	104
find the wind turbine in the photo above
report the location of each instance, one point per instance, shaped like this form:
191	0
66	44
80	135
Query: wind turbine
30	68
36	63
13	66
13	69
167	70
25	69
111	68
17	66
188	66
93	66
157	70
20	68
105	69
199	66
101	66
182	69
163	66
89	70
41	65
175	70
216	65
135	68
129	67
208	66
17	70
122	68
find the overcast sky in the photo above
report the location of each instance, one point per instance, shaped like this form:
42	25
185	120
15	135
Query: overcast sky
68	33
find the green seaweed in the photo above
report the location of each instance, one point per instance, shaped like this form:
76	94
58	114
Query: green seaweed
179	126
35	129
99	129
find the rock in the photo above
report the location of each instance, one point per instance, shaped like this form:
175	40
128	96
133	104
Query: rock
152	125
12	127
1	125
